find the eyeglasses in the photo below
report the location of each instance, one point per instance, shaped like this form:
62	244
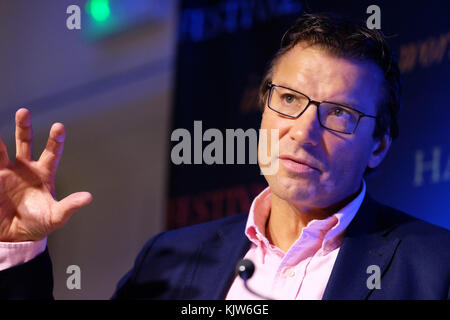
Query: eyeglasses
332	116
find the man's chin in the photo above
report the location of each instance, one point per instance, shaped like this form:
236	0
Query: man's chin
298	192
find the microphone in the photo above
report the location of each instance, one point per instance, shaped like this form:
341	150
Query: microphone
245	269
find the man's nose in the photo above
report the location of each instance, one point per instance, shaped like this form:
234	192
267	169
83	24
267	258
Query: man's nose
306	128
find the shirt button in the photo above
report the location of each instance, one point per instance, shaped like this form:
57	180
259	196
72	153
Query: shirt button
258	236
289	272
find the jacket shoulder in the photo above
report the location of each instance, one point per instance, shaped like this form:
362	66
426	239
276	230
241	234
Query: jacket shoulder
409	225
417	234
204	231
167	258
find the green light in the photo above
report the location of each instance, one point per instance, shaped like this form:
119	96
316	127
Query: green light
98	9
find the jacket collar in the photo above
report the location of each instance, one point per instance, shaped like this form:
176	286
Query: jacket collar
365	244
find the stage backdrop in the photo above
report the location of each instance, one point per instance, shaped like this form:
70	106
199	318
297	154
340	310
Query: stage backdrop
223	50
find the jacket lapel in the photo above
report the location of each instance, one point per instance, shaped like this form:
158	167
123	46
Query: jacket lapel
364	244
214	278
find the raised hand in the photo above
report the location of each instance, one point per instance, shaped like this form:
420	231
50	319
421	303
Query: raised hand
28	208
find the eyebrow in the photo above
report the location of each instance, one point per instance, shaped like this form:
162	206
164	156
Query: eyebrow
345	104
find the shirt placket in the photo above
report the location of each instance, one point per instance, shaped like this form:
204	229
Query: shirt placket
290	274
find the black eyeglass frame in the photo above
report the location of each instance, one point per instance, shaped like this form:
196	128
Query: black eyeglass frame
317	103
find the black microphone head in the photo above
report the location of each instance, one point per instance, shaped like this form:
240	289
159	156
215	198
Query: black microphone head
245	269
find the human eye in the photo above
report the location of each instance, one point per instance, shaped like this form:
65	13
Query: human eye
340	112
288	98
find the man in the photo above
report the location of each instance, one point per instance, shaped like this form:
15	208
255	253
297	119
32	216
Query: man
332	91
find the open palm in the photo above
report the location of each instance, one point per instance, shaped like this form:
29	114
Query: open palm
28	208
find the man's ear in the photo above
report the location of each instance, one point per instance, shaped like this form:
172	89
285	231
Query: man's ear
379	151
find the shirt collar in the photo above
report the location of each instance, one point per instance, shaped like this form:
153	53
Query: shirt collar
332	227
259	213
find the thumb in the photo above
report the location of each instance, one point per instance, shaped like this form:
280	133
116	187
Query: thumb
64	208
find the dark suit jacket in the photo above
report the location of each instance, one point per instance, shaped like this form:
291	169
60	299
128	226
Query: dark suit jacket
198	262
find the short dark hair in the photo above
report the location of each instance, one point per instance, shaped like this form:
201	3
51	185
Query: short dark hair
346	38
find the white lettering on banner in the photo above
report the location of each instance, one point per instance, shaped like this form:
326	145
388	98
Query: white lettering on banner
434	167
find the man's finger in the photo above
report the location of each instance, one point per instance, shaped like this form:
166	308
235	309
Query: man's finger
53	150
24	134
64	209
4	158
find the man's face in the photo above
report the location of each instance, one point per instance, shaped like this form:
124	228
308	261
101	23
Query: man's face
336	161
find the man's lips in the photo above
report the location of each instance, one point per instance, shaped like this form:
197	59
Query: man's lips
298	164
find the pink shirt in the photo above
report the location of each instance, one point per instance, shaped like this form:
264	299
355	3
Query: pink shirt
303	271
15	253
